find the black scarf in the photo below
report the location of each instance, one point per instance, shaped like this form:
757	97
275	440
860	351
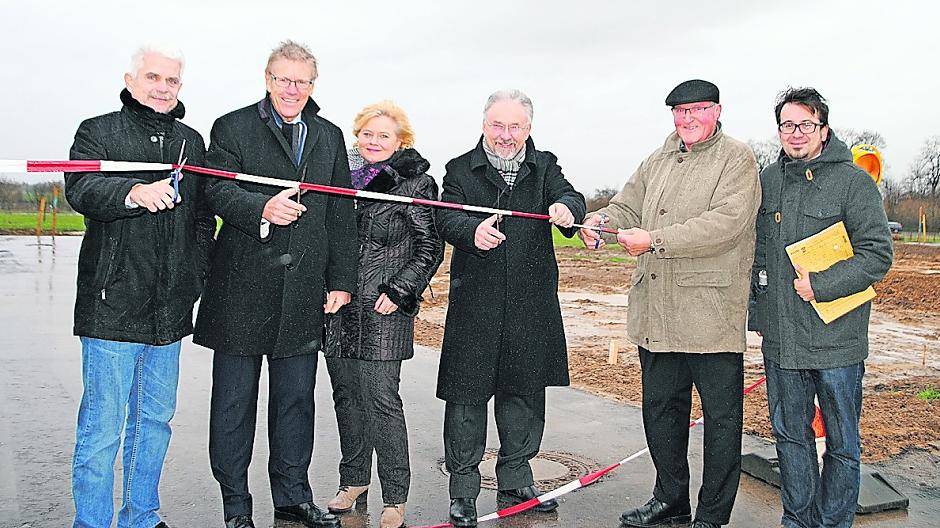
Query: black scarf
149	118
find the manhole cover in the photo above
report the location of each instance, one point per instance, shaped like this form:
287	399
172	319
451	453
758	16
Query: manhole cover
551	469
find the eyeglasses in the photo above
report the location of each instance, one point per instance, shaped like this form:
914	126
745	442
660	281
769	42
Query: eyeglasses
806	127
696	112
284	82
514	129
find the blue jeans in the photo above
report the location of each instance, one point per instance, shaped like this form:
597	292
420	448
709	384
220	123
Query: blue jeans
811	501
129	387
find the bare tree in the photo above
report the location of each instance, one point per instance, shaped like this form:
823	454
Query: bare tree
892	189
925	170
600	198
853	137
766	151
11	194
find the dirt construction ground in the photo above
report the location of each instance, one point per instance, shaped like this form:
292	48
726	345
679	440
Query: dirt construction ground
904	337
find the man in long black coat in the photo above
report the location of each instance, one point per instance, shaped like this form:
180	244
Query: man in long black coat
279	264
504	335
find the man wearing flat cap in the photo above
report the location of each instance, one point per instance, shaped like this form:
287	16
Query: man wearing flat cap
688	215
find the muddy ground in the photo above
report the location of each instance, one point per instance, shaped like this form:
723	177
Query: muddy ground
904	336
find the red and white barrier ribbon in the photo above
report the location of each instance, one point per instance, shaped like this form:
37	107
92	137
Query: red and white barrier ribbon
129	166
586	480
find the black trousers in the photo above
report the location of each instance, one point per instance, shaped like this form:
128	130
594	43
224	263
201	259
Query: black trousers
232	417
370	417
667	404
520	422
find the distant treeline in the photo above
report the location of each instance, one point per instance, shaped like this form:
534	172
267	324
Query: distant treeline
19	196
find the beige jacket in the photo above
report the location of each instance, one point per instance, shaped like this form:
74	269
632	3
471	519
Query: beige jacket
690	294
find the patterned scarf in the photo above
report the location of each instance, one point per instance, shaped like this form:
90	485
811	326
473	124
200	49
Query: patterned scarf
507	168
361	171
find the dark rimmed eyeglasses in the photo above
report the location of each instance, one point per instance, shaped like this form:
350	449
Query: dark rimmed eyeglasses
806	127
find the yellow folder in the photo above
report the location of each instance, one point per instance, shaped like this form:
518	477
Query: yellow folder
819	252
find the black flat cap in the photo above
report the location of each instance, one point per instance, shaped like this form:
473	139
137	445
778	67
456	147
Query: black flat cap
694	91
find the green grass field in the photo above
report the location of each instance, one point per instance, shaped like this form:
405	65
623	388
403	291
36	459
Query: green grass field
25	223
561	241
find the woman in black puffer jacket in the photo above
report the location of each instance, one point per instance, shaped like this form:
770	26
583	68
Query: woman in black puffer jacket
399	251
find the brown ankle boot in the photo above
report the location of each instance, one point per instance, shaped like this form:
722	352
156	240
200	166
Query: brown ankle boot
346	498
393	516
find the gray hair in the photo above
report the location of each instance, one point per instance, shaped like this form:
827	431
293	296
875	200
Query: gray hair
172	53
293	51
511	94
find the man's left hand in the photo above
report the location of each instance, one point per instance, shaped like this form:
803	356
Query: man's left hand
560	215
636	241
802	286
336	300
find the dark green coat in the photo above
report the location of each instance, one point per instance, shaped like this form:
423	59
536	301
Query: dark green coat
503	330
812	196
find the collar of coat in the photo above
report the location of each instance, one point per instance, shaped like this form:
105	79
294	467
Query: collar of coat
148	117
673	141
308	115
478	160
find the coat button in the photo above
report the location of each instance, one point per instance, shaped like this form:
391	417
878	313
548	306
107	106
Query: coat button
153	139
289	266
659	241
653	276
661	250
680	160
295	225
662	212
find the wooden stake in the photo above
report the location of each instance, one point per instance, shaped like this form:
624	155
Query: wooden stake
40	215
613	353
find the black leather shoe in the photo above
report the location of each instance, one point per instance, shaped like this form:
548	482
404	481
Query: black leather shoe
704	524
307	514
518	496
161	525
240	521
656	513
463	512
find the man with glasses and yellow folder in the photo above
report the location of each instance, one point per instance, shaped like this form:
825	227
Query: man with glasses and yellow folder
813	188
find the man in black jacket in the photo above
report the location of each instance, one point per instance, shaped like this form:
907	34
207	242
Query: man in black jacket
140	270
503	336
281	262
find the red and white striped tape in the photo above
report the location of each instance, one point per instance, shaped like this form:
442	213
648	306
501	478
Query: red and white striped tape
27	166
586	480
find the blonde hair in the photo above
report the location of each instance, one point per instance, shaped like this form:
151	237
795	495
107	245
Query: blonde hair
386	108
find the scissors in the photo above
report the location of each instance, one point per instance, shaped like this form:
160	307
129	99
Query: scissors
176	173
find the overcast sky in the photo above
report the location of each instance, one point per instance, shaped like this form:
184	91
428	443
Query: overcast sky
597	71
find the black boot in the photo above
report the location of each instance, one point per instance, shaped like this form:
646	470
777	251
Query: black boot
704	524
518	496
240	521
307	514
656	513
463	512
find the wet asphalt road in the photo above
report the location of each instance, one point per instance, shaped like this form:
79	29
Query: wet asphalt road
40	388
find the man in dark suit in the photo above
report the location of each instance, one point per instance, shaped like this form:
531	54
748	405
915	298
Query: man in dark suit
281	262
504	337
